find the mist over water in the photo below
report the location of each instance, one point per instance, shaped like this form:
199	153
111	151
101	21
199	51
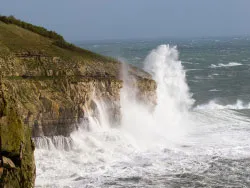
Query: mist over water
175	144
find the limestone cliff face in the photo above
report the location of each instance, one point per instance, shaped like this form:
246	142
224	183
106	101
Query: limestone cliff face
46	90
56	106
53	95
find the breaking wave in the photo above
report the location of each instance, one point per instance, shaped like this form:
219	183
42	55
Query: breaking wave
214	90
213	105
230	64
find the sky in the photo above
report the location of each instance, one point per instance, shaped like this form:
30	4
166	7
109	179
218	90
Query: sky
80	20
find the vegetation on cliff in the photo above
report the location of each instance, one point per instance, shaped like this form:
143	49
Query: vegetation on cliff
21	36
36	29
58	39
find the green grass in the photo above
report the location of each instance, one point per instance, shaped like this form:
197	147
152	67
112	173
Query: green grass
36	29
58	39
19	36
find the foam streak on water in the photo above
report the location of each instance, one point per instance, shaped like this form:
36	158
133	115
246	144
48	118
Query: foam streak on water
230	64
172	145
213	105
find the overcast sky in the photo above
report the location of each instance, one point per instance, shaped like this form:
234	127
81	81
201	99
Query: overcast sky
126	19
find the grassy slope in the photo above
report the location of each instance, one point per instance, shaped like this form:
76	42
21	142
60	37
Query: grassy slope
18	39
14	39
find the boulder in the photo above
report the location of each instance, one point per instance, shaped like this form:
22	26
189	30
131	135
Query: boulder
8	163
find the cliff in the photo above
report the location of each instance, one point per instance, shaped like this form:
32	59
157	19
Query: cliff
47	86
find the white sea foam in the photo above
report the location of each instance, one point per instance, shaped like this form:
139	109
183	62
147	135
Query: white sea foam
230	64
150	143
213	105
214	90
192	70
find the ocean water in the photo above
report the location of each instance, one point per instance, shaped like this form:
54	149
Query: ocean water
198	135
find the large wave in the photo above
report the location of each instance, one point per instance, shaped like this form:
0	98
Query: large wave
170	115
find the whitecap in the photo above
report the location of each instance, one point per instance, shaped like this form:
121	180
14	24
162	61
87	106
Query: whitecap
193	70
214	90
230	64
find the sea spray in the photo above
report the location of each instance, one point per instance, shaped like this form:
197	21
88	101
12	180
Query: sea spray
99	120
170	77
173	97
167	121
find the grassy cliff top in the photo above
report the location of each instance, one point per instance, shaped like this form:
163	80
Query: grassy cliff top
27	50
18	36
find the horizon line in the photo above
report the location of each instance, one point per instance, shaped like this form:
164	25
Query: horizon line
158	38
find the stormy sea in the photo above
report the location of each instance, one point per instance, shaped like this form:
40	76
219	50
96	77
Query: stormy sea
197	135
